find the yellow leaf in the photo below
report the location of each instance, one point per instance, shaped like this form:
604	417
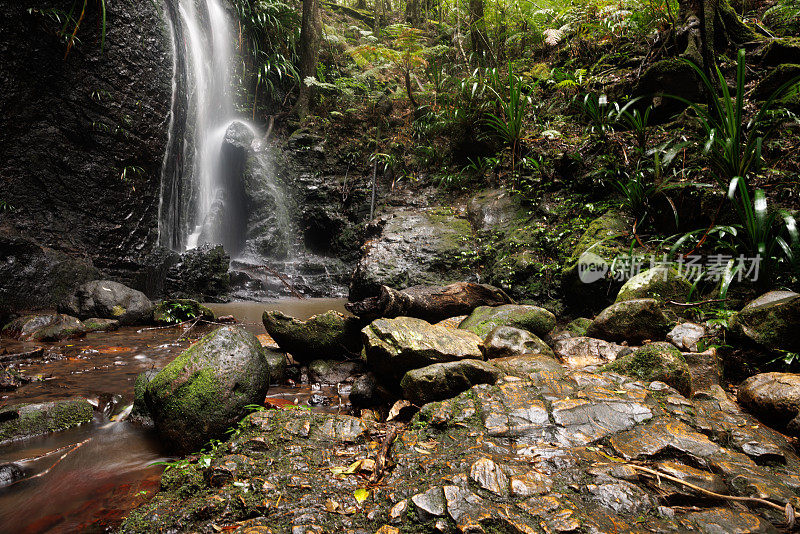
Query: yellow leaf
361	495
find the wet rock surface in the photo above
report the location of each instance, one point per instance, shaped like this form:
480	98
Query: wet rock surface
107	299
775	397
328	335
506	341
44	328
560	453
532	318
631	320
583	351
445	380
661	283
656	362
771	321
20	421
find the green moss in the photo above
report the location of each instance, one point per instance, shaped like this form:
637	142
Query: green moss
26	420
534	319
655	362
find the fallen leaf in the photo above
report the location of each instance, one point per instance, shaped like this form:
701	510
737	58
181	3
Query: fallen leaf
361	495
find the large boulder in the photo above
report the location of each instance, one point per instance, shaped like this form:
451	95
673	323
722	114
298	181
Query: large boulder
656	362
772	320
53	327
368	391
506	341
441	381
534	319
109	300
204	391
329	335
20	421
630	320
582	351
773	397
414	247
396	346
661	283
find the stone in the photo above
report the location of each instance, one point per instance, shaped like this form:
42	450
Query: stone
204	391
631	320
10	473
333	371
107	299
659	361
579	352
430	503
440	381
534	319
705	370
773	397
771	320
200	273
174	311
367	391
411	247
663	284
776	78
729	521
575	328
489	476
535	367
506	341
686	336
139	387
329	335
698	477
277	363
396	346
21	421
96	324
44	328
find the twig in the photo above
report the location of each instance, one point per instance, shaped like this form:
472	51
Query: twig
692	304
383	454
788	510
43	473
283	279
163	327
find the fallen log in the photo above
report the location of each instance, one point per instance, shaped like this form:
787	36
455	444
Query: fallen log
431	303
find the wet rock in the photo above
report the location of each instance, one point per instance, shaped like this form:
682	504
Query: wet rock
578	352
705	370
278	365
697	477
396	346
492	209
727	520
429	504
328	335
44	328
174	311
662	437
656	362
773	397
367	391
686	336
317	399
11	379
444	380
506	341
10	473
95	324
660	283
771	321
108	300
139	387
575	328
622	497
531	318
201	273
333	371
631	320
414	247
224	470
20	421
489	476
535	367
204	391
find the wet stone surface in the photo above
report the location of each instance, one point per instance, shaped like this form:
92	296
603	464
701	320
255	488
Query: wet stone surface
558	453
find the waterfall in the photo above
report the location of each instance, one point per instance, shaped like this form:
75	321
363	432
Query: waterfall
202	200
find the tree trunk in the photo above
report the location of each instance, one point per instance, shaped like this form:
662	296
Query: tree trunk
431	303
310	35
412	12
477	28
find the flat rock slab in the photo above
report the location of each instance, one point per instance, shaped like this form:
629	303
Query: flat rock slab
579	352
553	454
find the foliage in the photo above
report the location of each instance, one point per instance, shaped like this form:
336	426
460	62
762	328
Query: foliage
508	123
598	113
70	21
178	312
637	121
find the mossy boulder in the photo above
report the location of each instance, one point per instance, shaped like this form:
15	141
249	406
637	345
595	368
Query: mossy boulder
174	311
776	78
780	51
96	324
54	327
446	380
772	321
535	367
277	363
204	391
333	371
107	299
506	341
655	362
534	319
661	283
139	388
396	346
672	77
20	421
631	320
329	335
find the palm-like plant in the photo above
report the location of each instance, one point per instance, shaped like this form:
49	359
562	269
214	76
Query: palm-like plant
508	123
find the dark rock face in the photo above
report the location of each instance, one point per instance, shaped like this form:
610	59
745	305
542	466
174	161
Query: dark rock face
83	142
445	380
44	328
109	300
204	391
771	321
201	273
656	362
774	397
10	473
367	391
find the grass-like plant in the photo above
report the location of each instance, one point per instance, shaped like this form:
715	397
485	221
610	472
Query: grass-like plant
598	112
508	123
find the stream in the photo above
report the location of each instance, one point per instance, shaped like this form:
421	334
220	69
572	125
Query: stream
86	478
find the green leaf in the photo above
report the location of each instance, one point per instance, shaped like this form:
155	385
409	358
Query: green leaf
361	495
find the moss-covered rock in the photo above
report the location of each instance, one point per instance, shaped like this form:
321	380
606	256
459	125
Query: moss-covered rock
534	319
204	391
139	388
776	78
108	300
630	320
446	380
20	421
333	371
277	363
772	320
396	346
53	327
655	362
506	341
95	324
660	283
328	335
174	311
780	51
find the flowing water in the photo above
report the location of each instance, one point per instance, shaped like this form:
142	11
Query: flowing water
107	466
